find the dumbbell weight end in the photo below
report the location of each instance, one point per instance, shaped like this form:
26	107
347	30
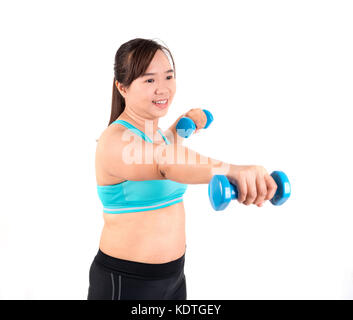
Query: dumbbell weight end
221	191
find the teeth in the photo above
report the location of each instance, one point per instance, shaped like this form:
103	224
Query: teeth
160	102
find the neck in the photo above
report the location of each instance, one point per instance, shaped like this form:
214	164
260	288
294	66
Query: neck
146	125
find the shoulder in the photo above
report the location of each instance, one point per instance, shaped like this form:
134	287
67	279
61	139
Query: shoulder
111	136
125	158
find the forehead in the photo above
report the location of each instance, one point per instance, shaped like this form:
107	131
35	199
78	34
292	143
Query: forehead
159	63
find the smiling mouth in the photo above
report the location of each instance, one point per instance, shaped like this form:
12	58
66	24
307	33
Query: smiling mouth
165	102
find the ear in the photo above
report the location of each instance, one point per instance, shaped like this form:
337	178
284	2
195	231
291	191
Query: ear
120	88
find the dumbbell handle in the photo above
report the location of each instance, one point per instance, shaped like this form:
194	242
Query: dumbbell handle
221	191
185	126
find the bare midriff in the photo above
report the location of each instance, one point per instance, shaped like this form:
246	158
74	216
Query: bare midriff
155	236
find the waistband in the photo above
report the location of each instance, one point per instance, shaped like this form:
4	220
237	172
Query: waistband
140	269
142	208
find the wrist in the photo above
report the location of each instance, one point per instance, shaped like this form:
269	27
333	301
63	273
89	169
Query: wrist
232	170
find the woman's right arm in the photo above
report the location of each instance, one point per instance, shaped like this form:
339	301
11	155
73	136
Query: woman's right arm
133	160
184	165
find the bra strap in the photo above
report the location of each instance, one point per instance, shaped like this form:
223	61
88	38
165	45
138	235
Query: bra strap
164	137
133	129
139	132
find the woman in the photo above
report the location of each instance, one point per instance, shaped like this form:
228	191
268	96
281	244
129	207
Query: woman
141	182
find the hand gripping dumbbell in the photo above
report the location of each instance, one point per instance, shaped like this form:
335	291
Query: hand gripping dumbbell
185	126
221	191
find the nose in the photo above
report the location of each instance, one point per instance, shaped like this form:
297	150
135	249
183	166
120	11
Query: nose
164	88
162	92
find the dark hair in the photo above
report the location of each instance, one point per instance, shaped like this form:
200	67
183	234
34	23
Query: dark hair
131	61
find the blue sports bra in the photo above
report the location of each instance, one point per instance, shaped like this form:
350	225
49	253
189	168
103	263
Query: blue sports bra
145	195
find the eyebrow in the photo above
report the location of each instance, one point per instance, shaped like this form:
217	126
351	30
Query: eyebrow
152	74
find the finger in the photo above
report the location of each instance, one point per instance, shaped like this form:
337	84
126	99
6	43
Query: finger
203	119
261	190
271	187
242	190
200	119
251	194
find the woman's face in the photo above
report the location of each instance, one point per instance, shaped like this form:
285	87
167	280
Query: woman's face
158	83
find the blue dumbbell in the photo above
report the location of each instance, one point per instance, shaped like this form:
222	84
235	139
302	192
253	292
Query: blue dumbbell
185	126
221	191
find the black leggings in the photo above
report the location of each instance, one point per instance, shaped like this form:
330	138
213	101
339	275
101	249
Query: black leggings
111	278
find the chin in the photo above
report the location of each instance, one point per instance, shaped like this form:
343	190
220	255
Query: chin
162	113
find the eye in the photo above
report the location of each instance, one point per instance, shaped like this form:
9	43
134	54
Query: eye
169	78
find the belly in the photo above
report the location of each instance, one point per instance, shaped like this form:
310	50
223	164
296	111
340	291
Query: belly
155	236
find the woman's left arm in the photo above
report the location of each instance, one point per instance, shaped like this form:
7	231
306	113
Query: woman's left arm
172	135
197	115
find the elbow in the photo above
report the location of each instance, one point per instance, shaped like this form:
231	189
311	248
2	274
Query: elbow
161	161
162	170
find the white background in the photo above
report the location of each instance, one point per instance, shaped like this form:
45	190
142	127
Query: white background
277	76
